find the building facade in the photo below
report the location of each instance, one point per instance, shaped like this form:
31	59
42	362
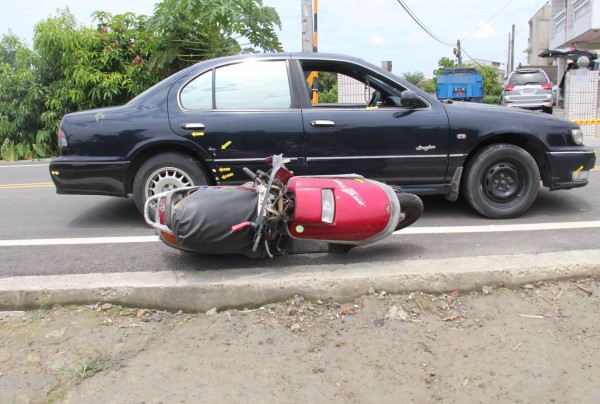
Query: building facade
576	24
539	35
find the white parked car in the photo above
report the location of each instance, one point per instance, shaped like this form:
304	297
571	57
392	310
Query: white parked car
528	88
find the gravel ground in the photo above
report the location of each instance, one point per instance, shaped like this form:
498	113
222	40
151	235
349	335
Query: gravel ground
536	344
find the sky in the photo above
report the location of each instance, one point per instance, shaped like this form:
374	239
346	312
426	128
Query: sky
374	30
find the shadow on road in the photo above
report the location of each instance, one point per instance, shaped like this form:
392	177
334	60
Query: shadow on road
114	212
390	250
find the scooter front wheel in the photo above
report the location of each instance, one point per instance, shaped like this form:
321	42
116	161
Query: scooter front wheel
412	207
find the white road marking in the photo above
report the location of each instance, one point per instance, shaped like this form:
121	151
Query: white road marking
77	241
499	228
407	231
24	165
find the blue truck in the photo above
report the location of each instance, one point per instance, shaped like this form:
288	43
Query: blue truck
460	84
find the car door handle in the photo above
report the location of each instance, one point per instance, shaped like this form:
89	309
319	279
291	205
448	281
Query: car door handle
192	126
322	123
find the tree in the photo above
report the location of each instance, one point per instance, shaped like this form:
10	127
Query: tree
72	67
429	86
328	87
491	87
415	78
188	31
444	63
21	102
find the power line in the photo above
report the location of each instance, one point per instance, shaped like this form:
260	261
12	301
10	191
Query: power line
488	20
420	24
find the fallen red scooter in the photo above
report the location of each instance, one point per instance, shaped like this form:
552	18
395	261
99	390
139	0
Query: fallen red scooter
279	213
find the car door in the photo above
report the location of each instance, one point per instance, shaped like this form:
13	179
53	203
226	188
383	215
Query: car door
239	114
385	141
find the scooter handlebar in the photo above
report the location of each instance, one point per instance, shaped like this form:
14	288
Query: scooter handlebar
249	173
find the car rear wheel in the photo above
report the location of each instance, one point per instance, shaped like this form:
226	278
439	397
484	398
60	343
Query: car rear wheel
165	172
502	181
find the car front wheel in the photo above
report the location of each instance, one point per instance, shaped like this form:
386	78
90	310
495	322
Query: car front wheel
165	172
502	181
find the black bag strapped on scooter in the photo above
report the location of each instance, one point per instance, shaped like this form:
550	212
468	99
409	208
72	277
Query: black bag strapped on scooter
202	221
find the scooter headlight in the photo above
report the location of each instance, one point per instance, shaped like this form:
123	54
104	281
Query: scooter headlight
327	206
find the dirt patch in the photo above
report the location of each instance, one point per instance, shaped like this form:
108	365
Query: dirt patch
540	343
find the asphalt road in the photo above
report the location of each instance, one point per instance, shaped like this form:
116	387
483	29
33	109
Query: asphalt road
42	233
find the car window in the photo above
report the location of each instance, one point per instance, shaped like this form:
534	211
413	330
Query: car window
340	85
253	85
250	85
198	93
522	78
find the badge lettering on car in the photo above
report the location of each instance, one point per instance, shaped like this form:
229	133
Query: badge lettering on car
426	148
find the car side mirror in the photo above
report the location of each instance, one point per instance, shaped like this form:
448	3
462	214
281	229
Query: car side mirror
409	98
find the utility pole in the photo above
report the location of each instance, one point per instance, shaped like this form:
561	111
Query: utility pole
310	42
307	26
512	49
457	52
315	30
508	67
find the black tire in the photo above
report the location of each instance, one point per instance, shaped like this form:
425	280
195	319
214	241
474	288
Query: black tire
501	181
412	207
548	110
164	172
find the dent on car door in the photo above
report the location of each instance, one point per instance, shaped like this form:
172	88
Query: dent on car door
239	114
386	141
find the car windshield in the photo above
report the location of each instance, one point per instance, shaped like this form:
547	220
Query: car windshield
522	78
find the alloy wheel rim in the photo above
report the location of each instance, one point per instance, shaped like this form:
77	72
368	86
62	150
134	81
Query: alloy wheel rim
167	179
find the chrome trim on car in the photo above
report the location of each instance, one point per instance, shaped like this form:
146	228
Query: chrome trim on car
377	157
261	160
571	152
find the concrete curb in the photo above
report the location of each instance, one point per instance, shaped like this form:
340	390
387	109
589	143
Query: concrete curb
200	291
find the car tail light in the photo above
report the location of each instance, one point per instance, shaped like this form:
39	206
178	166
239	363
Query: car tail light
547	86
509	87
62	139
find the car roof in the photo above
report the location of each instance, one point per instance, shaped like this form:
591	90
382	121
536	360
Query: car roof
531	70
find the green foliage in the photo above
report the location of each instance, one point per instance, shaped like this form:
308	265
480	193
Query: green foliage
328	87
188	31
492	99
428	85
21	101
415	78
72	67
444	63
491	87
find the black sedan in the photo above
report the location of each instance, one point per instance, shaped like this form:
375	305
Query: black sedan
205	123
